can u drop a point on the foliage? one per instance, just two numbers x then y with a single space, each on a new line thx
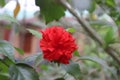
50 10
111 8
7 49
22 71
2 2
35 33
7 17
74 70
19 50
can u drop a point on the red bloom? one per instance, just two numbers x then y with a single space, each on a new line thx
57 44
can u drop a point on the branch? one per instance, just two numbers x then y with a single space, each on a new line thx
91 32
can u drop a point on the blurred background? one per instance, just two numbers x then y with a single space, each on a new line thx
13 28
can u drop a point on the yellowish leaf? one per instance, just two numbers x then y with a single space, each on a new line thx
17 9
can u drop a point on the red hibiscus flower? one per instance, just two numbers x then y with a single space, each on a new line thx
57 44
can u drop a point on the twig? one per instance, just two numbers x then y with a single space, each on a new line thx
83 23
91 32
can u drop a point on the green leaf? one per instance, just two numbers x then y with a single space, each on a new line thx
95 59
3 70
7 17
2 2
8 62
115 15
110 36
76 53
60 79
71 30
92 7
38 59
35 33
4 76
43 67
73 69
22 71
31 58
117 22
99 1
50 10
7 49
3 67
110 3
20 51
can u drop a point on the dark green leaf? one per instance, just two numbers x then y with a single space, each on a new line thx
60 79
20 51
110 3
8 62
8 18
71 30
117 22
73 69
31 59
4 76
50 10
7 49
115 15
35 33
93 7
22 71
2 2
3 71
3 67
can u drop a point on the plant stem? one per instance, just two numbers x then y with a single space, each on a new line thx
91 32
